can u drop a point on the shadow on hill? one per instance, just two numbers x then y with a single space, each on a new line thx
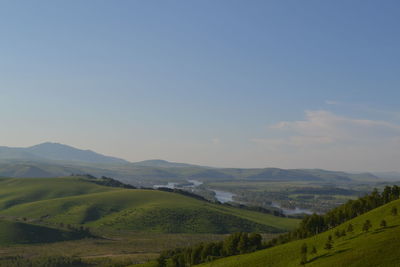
355 236
327 255
380 230
25 233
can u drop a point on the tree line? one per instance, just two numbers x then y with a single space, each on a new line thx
240 243
315 224
45 261
338 234
235 244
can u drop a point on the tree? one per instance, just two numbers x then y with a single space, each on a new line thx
243 245
196 254
314 250
207 251
337 233
383 223
350 228
367 225
303 251
231 244
394 211
329 243
386 194
255 241
162 261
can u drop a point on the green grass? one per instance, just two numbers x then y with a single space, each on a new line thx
24 233
119 247
377 247
77 201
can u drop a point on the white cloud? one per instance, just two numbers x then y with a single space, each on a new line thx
323 127
326 140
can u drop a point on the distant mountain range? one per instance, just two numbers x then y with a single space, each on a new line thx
50 152
55 152
159 163
54 159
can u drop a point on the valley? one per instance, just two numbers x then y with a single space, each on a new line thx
107 225
149 207
199 133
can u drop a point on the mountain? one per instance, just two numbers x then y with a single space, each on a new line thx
274 174
392 176
159 163
56 152
54 159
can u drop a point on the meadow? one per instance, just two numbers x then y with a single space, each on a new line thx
376 247
78 217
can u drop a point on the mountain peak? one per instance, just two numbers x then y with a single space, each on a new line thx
51 145
58 152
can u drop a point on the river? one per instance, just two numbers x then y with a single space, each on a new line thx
221 196
294 211
224 196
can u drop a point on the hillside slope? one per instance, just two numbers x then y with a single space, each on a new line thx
377 247
25 233
79 201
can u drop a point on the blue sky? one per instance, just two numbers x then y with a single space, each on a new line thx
290 84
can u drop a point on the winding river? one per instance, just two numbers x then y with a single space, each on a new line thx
221 196
224 197
294 211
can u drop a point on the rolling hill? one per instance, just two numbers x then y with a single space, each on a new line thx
80 201
377 247
26 233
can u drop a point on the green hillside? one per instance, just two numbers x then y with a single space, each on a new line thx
24 233
377 247
79 201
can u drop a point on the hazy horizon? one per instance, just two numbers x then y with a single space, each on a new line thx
215 83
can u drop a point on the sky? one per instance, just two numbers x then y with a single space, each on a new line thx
289 84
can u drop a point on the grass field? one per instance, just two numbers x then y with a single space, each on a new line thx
377 247
77 201
38 218
23 233
123 247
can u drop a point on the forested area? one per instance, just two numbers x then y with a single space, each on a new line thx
235 244
51 261
240 243
314 224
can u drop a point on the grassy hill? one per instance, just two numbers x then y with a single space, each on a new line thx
25 233
377 247
79 201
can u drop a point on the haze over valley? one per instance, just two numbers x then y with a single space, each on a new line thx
205 133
